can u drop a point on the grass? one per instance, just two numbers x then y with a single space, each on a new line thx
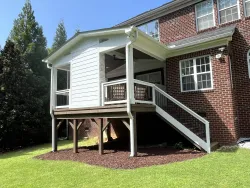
219 169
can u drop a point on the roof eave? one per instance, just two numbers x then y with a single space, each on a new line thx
158 12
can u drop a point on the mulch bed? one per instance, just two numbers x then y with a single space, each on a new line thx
119 159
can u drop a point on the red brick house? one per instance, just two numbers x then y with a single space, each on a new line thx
205 45
227 105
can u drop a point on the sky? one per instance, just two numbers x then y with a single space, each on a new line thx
76 14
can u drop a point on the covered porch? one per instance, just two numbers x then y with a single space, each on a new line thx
108 76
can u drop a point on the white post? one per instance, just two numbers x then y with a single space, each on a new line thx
52 106
153 95
130 74
208 137
133 136
103 94
131 98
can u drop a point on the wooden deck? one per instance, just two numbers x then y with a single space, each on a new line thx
110 111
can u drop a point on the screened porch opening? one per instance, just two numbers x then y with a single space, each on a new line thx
63 86
147 71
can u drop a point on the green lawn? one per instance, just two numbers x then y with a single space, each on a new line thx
219 169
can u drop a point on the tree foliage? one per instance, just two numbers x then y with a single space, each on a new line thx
20 111
27 113
59 40
60 37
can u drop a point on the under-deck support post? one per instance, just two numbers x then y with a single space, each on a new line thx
133 136
75 137
54 135
101 137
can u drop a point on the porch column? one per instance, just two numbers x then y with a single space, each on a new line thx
52 106
130 73
130 97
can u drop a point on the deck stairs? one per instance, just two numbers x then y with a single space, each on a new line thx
191 125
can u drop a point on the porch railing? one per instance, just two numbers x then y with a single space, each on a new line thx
62 98
114 92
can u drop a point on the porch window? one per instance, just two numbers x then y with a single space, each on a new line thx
248 62
153 77
151 28
247 7
196 74
228 10
205 15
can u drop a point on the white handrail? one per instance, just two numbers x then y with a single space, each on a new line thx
181 105
63 92
143 83
114 82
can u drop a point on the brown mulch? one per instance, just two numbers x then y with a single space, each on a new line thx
119 159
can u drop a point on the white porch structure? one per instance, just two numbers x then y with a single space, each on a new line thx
83 57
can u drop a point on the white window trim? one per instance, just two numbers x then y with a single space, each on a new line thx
195 74
244 6
218 7
158 28
248 62
196 17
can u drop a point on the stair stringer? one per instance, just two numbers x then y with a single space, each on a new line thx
198 142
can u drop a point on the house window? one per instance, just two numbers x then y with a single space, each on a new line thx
153 77
228 10
151 28
248 62
196 74
205 15
247 7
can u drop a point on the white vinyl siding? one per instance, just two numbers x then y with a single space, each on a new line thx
151 29
196 74
247 7
248 62
85 75
228 10
205 15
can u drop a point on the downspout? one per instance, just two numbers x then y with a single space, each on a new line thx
54 137
132 38
51 87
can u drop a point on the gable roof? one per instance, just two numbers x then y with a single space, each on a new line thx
155 13
80 35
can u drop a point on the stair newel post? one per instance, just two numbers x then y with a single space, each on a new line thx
208 137
153 94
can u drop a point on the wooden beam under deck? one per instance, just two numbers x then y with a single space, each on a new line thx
110 111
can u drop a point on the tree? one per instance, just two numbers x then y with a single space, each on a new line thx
59 40
60 37
28 38
18 112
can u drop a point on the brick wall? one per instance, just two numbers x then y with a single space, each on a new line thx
216 103
228 109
